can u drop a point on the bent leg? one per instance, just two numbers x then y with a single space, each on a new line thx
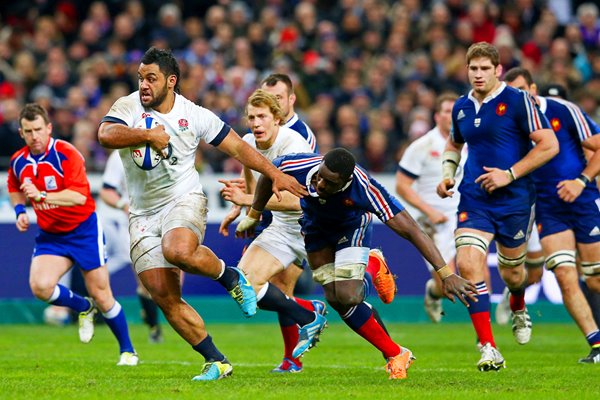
44 274
97 283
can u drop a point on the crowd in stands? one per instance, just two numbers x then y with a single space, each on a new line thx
367 72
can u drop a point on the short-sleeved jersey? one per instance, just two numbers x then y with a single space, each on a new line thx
60 167
497 132
286 142
345 208
187 124
572 127
296 124
113 178
422 161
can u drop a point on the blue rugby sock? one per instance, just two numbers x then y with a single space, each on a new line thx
115 319
273 299
64 297
209 351
367 284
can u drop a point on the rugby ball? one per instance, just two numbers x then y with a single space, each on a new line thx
145 156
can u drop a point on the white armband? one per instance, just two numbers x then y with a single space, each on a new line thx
450 161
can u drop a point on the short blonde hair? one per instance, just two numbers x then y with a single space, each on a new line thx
262 98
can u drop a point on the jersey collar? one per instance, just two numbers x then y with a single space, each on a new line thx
489 98
27 154
292 120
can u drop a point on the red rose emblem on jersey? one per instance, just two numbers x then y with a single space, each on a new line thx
555 123
183 123
145 115
348 202
434 154
501 109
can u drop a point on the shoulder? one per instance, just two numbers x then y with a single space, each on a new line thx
66 149
249 138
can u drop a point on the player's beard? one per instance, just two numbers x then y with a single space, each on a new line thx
157 99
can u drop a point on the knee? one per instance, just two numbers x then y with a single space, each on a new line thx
350 296
176 254
42 288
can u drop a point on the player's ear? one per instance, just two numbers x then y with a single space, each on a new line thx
499 70
172 81
533 89
292 99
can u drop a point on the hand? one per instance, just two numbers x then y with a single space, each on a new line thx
246 227
22 222
283 182
159 139
454 285
569 190
443 188
231 216
233 193
29 189
238 182
493 179
436 217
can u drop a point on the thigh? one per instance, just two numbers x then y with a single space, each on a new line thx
564 240
46 270
259 265
189 212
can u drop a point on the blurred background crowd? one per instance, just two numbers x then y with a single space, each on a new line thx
367 72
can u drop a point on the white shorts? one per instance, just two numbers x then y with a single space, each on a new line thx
285 243
146 231
533 244
444 239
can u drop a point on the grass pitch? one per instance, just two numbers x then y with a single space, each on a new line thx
43 362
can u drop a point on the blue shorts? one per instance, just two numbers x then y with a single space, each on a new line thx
356 235
510 230
581 218
84 245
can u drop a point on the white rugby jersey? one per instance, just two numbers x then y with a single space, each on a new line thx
422 161
114 177
287 142
187 124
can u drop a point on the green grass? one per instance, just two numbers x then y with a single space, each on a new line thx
43 362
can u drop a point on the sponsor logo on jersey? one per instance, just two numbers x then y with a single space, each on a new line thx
344 239
501 109
463 216
519 235
555 123
461 115
477 122
50 182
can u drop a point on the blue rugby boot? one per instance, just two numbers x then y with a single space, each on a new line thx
244 294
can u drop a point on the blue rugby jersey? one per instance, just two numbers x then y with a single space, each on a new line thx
497 133
346 208
572 127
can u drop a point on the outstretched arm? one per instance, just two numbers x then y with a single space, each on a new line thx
243 152
404 225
